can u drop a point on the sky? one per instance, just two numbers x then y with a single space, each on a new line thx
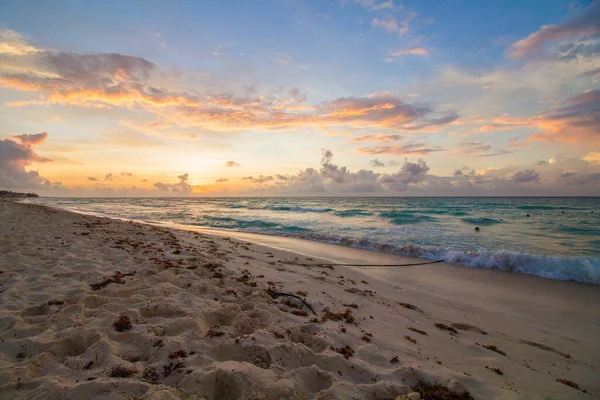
300 98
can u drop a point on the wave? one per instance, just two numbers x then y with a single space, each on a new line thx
544 207
254 225
351 213
412 219
280 208
482 221
578 269
406 217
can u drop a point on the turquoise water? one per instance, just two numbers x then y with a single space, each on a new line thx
555 238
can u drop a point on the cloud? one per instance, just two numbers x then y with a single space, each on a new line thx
390 24
378 138
382 110
122 81
585 25
231 164
284 59
181 187
525 176
32 140
92 179
457 172
126 174
374 5
221 180
332 178
415 149
592 158
410 173
572 178
376 163
17 153
576 120
108 177
259 179
482 150
394 55
13 44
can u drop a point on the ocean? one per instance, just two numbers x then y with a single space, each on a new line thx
554 238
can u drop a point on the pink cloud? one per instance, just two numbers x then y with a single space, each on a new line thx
585 25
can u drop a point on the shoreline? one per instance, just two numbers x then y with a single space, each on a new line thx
188 282
521 269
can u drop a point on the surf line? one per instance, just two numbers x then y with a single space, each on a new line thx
371 265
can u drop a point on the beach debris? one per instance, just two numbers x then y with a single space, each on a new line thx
410 306
467 327
214 332
439 392
275 293
88 365
546 348
302 293
121 372
178 354
445 327
123 323
416 330
246 279
116 278
346 351
300 313
410 339
351 305
496 370
277 334
493 348
568 383
360 292
150 375
477 229
394 360
172 367
159 343
56 302
367 337
345 316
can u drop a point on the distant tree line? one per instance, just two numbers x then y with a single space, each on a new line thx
5 194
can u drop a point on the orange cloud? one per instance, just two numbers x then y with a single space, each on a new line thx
115 80
407 51
377 137
576 120
413 149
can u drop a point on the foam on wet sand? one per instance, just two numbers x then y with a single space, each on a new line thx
99 308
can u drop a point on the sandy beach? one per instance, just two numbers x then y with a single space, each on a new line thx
98 308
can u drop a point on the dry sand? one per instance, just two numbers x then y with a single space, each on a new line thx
203 324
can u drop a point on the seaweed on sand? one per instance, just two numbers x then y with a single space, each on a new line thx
346 351
439 392
345 316
445 327
121 372
123 323
116 278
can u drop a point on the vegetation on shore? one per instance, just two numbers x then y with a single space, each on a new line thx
7 194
